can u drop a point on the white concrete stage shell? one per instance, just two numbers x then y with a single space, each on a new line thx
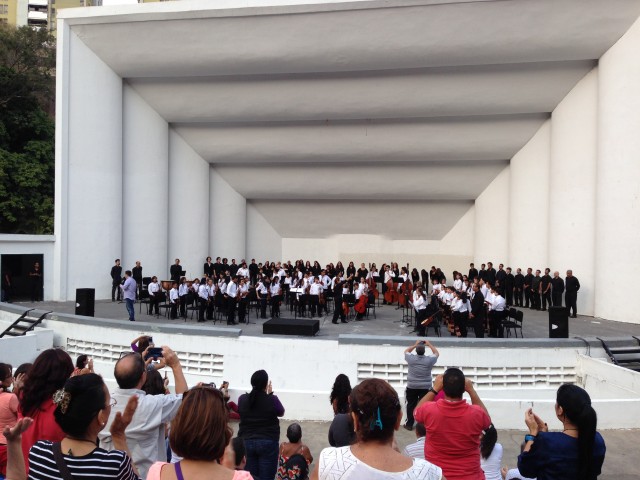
434 132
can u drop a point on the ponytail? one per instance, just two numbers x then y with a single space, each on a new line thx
576 404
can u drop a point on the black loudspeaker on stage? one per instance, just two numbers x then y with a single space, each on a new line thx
291 326
558 322
85 301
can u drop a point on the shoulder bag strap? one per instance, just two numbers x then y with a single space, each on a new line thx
62 465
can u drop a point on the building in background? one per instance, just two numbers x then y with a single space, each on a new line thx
43 13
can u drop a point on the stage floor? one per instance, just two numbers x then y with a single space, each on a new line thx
387 322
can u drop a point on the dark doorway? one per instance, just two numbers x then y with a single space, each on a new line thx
23 286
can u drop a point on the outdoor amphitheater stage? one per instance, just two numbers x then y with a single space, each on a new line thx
385 323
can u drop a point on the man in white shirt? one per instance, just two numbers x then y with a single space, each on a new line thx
496 314
232 293
145 433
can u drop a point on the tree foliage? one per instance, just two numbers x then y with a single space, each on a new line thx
27 160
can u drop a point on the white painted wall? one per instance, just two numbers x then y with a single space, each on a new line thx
492 222
529 202
89 203
228 219
572 187
145 180
37 245
263 242
188 206
618 171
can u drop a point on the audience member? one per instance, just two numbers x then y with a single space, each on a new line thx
490 454
288 467
418 375
416 449
48 374
199 435
146 432
8 411
340 392
232 407
235 455
84 365
141 343
19 377
82 408
576 453
260 426
341 431
377 414
453 426
514 473
155 384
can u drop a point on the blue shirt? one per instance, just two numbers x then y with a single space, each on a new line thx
554 456
129 289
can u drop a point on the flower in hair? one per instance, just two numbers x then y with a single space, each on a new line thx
62 398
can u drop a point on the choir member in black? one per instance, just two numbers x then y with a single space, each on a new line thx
209 269
557 289
490 274
478 311
217 267
136 273
337 300
176 271
233 268
500 276
528 280
253 271
362 271
224 268
116 279
545 289
518 288
473 272
482 274
571 287
536 291
351 270
509 284
415 276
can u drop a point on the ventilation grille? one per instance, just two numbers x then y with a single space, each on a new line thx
207 364
483 377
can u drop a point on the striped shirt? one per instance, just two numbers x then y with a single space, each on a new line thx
98 465
415 450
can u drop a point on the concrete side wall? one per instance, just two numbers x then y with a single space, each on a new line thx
618 171
492 222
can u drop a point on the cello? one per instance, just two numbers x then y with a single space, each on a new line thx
361 305
406 289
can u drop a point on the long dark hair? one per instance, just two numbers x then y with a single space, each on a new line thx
488 441
576 405
259 381
5 372
340 392
48 373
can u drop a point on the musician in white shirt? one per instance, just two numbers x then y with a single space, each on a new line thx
183 291
315 289
231 294
173 300
243 292
460 310
389 275
457 283
262 291
276 296
243 271
419 304
496 314
211 292
154 296
203 299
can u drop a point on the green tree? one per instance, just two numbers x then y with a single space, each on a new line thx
27 130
